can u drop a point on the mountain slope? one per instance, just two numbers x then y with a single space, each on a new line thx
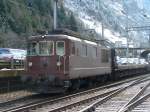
116 15
22 18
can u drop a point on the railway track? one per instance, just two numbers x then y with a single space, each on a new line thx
140 105
18 101
6 97
78 100
122 100
25 101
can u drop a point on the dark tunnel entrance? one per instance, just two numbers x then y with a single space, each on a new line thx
144 54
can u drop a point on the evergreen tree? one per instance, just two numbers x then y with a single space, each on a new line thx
1 41
61 17
26 17
73 23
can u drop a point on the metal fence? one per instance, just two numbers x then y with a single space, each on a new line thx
12 64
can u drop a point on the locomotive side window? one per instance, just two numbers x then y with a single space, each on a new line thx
32 48
46 48
60 48
73 48
94 52
84 50
105 56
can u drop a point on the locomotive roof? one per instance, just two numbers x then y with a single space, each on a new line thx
69 34
61 36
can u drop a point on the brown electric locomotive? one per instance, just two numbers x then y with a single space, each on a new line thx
57 62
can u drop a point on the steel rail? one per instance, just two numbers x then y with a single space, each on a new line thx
111 94
34 106
138 95
92 107
39 104
17 100
136 103
82 101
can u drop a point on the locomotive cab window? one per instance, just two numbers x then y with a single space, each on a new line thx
60 48
32 48
46 48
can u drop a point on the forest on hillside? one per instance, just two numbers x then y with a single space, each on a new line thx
22 18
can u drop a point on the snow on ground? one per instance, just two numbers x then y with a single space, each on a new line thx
91 23
122 61
10 53
112 11
18 54
108 34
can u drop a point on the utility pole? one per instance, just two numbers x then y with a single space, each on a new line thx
102 30
127 32
102 23
127 37
55 14
149 40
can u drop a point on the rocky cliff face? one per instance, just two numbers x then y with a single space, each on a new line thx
116 15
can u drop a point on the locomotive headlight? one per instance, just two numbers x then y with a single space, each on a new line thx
58 63
30 64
